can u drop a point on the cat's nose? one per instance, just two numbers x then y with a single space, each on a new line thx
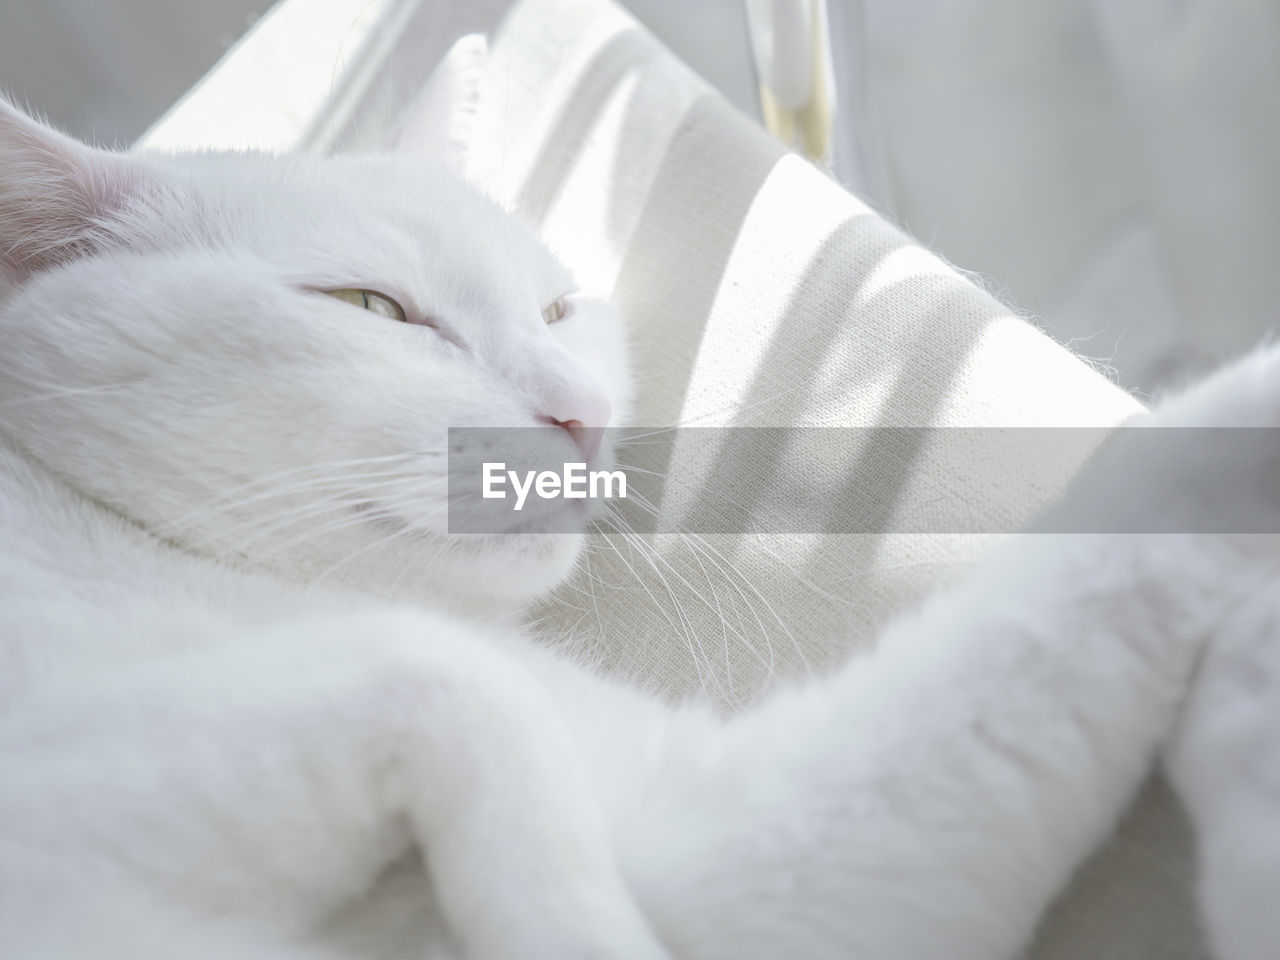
585 415
587 438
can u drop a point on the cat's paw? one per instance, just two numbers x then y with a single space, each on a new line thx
1225 762
1205 461
1242 394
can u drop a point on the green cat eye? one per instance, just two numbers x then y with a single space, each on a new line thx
370 300
555 310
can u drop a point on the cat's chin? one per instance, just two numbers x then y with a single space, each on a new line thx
515 566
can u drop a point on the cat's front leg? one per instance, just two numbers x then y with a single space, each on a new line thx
1224 758
263 784
933 798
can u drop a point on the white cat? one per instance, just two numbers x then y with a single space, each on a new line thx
246 677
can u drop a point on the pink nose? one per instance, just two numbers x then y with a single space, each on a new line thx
587 438
583 410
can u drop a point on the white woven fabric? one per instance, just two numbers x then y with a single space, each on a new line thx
756 292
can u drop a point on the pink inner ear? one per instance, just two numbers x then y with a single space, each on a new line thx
57 195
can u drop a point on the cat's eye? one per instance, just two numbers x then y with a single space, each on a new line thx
555 311
370 300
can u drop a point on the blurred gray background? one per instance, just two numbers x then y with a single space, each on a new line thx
105 69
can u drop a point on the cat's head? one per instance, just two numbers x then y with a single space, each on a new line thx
172 349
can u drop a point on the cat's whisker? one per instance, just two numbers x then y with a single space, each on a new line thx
344 505
746 513
631 468
317 498
267 524
328 472
591 595
423 514
416 562
680 530
716 557
699 544
679 629
720 617
353 513
337 520
326 490
644 503
822 591
732 408
661 566
686 628
373 545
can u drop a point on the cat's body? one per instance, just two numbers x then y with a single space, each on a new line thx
169 619
244 675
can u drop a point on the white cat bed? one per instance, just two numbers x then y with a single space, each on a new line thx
757 292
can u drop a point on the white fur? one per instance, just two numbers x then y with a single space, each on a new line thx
247 680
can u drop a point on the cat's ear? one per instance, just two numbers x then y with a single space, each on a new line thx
439 123
57 195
